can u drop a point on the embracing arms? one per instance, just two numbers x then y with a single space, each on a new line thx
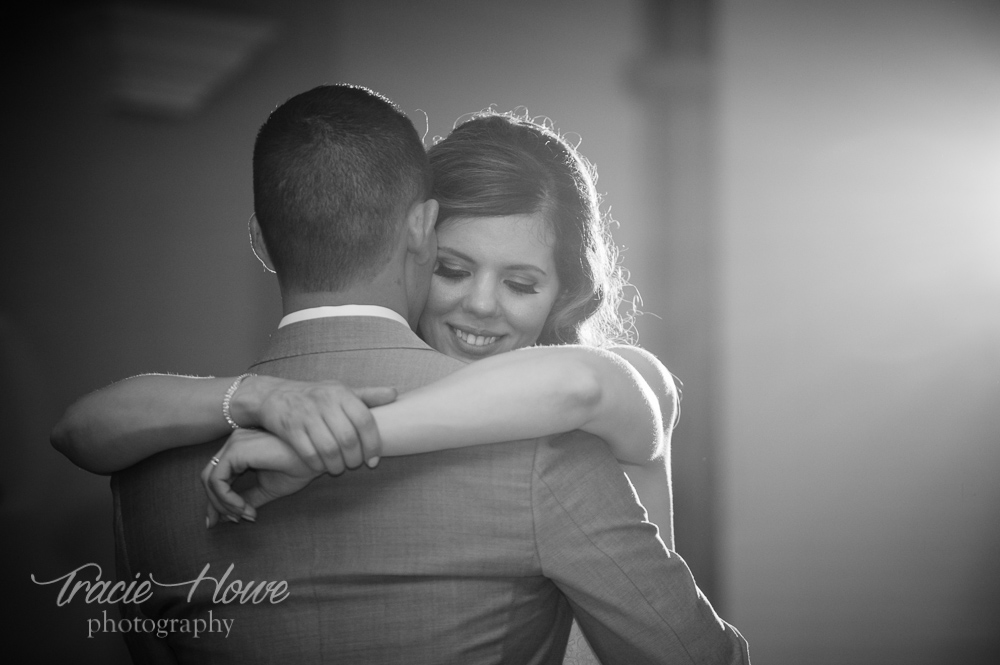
128 421
624 395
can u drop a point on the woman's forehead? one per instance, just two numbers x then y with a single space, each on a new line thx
529 228
510 240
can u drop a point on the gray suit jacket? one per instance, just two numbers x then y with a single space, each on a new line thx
477 555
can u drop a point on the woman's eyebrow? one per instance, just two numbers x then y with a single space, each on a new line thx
456 253
517 266
527 266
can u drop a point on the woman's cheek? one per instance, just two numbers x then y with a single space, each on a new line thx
527 320
438 295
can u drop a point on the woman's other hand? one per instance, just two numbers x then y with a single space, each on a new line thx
326 423
280 472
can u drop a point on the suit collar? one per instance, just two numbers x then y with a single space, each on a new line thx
342 333
341 310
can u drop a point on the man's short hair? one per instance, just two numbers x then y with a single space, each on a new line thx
335 170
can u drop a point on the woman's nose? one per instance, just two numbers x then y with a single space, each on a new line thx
482 299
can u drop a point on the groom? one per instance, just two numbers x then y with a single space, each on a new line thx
474 555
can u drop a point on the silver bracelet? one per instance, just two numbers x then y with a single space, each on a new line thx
228 399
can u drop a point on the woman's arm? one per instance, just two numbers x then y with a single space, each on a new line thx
128 421
660 381
535 392
521 394
115 427
527 393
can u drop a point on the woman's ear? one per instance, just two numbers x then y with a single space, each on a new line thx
257 244
421 241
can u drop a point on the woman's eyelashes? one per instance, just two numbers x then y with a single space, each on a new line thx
441 270
519 287
455 274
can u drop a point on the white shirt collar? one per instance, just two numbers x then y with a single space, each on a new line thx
342 310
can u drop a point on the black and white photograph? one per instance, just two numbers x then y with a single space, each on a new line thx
565 332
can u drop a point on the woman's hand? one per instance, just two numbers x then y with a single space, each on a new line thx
327 424
311 428
280 472
128 421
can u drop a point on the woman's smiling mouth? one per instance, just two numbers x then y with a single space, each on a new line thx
474 340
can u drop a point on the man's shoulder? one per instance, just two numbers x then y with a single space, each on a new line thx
362 351
401 368
577 461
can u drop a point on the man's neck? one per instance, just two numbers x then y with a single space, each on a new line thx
387 288
362 294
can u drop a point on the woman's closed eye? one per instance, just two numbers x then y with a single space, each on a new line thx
454 274
521 287
441 270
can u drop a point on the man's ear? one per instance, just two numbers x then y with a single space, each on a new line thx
420 238
257 244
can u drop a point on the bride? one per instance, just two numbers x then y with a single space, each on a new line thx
526 289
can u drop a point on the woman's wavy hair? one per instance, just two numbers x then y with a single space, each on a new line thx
498 164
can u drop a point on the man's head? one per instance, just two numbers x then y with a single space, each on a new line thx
336 171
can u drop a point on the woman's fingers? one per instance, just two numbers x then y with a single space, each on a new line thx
364 423
327 445
290 413
328 425
217 477
220 489
300 438
342 428
280 472
255 498
214 509
217 508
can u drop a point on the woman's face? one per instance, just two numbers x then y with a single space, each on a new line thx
493 286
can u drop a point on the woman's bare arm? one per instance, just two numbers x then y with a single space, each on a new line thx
116 426
528 393
624 395
128 421
534 392
525 394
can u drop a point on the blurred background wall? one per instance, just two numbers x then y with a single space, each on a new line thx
808 198
860 194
